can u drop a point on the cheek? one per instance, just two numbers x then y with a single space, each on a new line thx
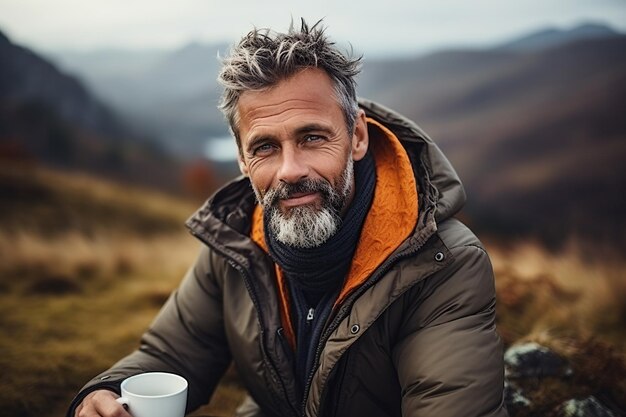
261 176
332 165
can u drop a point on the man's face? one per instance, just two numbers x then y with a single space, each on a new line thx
297 151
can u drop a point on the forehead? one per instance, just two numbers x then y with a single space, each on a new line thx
309 94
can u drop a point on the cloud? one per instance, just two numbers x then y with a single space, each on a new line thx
369 25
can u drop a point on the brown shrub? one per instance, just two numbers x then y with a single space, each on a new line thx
87 269
597 369
124 265
155 297
53 285
538 291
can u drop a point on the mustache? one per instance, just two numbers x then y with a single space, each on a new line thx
307 185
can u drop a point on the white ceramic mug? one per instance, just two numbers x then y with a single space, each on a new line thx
155 394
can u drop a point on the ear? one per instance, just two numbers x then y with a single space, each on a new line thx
360 137
242 164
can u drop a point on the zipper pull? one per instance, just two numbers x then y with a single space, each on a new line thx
309 316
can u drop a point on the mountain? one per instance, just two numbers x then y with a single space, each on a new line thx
24 76
537 136
105 62
552 37
170 94
50 118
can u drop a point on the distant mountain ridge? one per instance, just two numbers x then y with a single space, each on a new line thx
537 136
50 118
24 76
170 94
549 38
174 94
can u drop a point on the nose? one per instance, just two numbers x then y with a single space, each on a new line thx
293 167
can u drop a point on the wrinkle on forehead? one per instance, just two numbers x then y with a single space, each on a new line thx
273 109
311 84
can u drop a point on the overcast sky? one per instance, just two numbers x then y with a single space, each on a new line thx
373 27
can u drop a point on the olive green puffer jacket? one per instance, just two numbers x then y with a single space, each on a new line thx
417 339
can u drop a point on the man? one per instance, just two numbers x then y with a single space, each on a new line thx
332 273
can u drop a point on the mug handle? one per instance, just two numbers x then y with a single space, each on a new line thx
123 401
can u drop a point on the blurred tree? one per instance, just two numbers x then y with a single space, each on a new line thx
199 179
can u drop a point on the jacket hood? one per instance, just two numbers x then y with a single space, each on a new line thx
440 186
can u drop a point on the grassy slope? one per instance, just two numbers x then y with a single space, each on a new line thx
85 266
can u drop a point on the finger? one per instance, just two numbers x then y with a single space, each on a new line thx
78 409
85 408
87 411
106 406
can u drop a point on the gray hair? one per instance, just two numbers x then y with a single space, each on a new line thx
263 58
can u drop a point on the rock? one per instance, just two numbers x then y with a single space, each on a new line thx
514 399
537 381
529 360
587 407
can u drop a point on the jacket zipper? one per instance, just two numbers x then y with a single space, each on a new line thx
257 305
341 314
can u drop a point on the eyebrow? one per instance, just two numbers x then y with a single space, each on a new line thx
313 127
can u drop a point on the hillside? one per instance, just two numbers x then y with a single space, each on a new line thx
170 94
26 77
553 37
85 265
537 137
50 118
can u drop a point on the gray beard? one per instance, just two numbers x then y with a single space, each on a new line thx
307 226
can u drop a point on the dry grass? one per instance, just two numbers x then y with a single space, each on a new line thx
76 297
73 312
84 267
75 263
561 294
48 203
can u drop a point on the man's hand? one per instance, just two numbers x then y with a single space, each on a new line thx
101 403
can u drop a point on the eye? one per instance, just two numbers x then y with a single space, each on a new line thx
263 149
313 138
